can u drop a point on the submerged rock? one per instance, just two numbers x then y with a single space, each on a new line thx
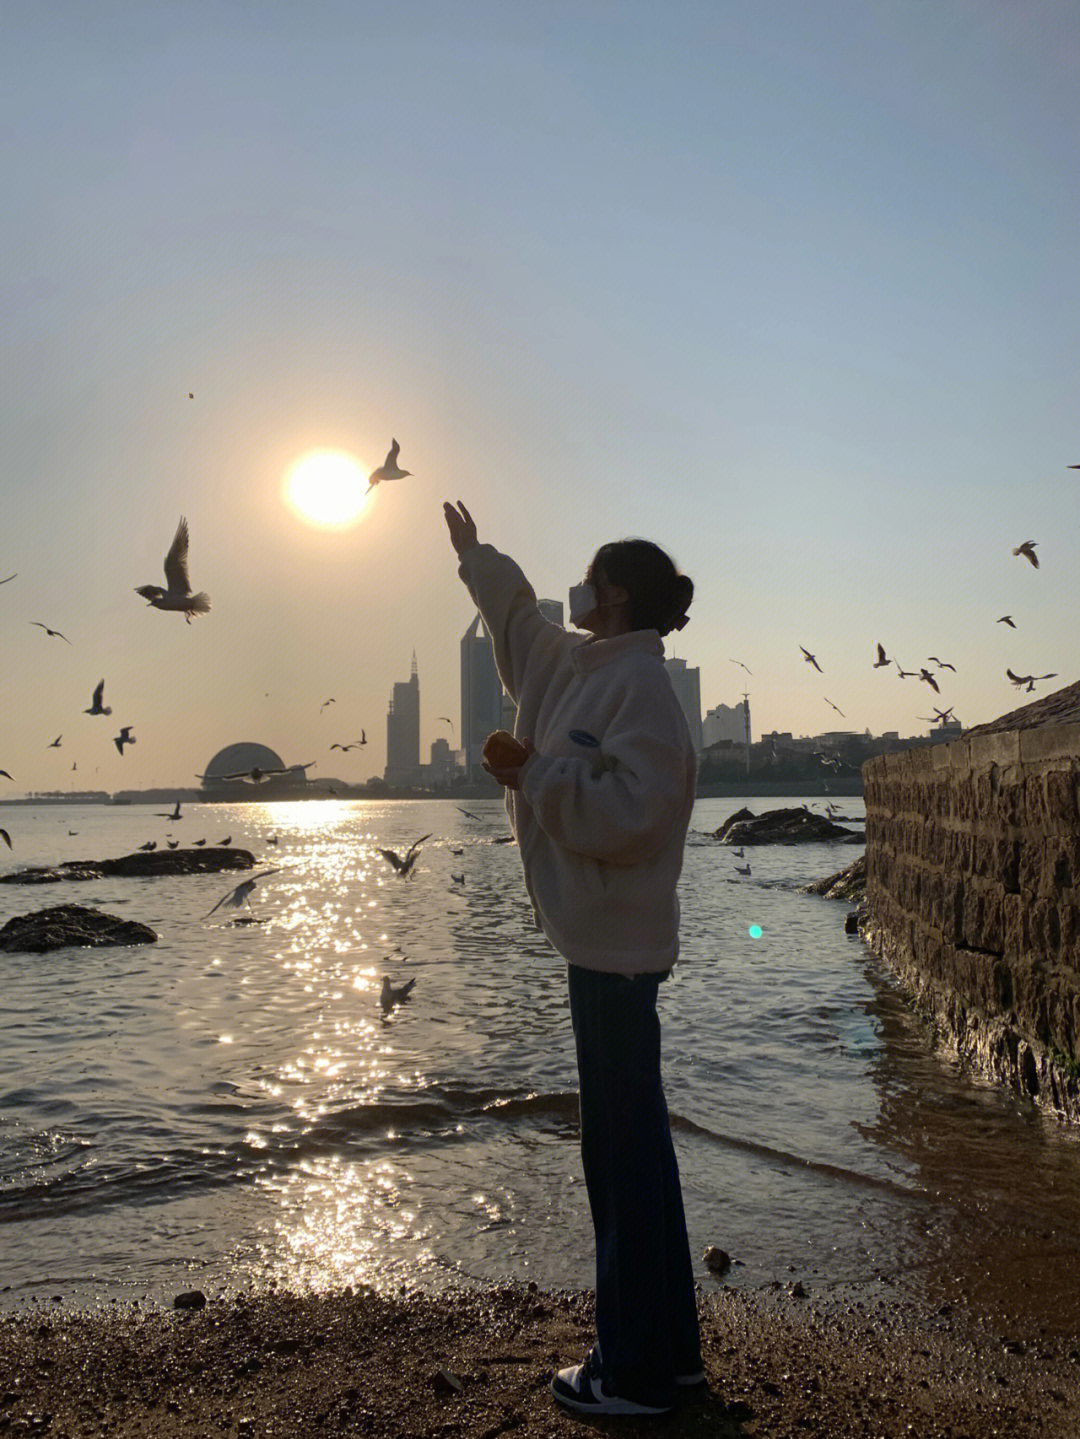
778 826
847 883
147 865
67 926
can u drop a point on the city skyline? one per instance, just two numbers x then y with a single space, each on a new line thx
787 289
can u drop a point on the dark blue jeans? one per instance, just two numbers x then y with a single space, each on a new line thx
646 1312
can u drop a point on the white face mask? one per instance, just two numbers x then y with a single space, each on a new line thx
582 602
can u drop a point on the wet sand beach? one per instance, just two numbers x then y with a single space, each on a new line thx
344 1363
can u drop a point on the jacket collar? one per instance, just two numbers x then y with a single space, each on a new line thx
592 653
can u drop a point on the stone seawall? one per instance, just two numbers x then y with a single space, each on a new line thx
973 897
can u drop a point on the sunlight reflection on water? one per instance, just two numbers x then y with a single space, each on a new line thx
234 1101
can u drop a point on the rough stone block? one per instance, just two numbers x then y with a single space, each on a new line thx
1002 748
1008 803
982 923
1036 811
1063 796
1049 742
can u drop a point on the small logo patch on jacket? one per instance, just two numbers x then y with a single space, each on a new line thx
582 736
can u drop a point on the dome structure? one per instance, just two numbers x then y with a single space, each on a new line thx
235 758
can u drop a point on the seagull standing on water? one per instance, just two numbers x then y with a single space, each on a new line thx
388 470
394 994
96 707
178 595
1027 549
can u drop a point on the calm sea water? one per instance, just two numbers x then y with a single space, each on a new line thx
230 1105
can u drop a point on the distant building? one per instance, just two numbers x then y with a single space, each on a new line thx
724 722
443 765
687 686
241 759
403 731
481 696
551 610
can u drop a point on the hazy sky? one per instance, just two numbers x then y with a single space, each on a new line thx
790 288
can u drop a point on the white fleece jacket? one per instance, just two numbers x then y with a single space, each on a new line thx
604 805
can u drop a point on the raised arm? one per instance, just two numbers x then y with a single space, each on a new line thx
506 601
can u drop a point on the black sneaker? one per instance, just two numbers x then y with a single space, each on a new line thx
581 1388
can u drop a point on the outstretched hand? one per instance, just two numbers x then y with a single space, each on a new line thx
462 527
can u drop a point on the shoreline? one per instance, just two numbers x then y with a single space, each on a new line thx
284 1364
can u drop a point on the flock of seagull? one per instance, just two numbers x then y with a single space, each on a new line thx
1026 682
177 596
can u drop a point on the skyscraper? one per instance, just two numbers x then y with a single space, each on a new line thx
551 610
481 695
403 731
687 686
724 722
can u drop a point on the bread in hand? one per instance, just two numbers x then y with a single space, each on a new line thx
502 750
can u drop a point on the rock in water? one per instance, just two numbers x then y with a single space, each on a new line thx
778 826
67 926
138 865
848 883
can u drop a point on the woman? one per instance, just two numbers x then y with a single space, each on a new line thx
599 796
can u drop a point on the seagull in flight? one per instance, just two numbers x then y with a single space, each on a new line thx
177 595
1027 549
96 707
839 711
175 814
924 674
4 774
1007 620
55 633
325 703
124 737
404 866
745 667
943 664
449 721
346 747
882 658
393 994
467 813
1029 680
56 742
10 577
5 837
238 896
938 717
811 660
388 470
903 673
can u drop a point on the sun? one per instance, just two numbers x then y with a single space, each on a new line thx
327 487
